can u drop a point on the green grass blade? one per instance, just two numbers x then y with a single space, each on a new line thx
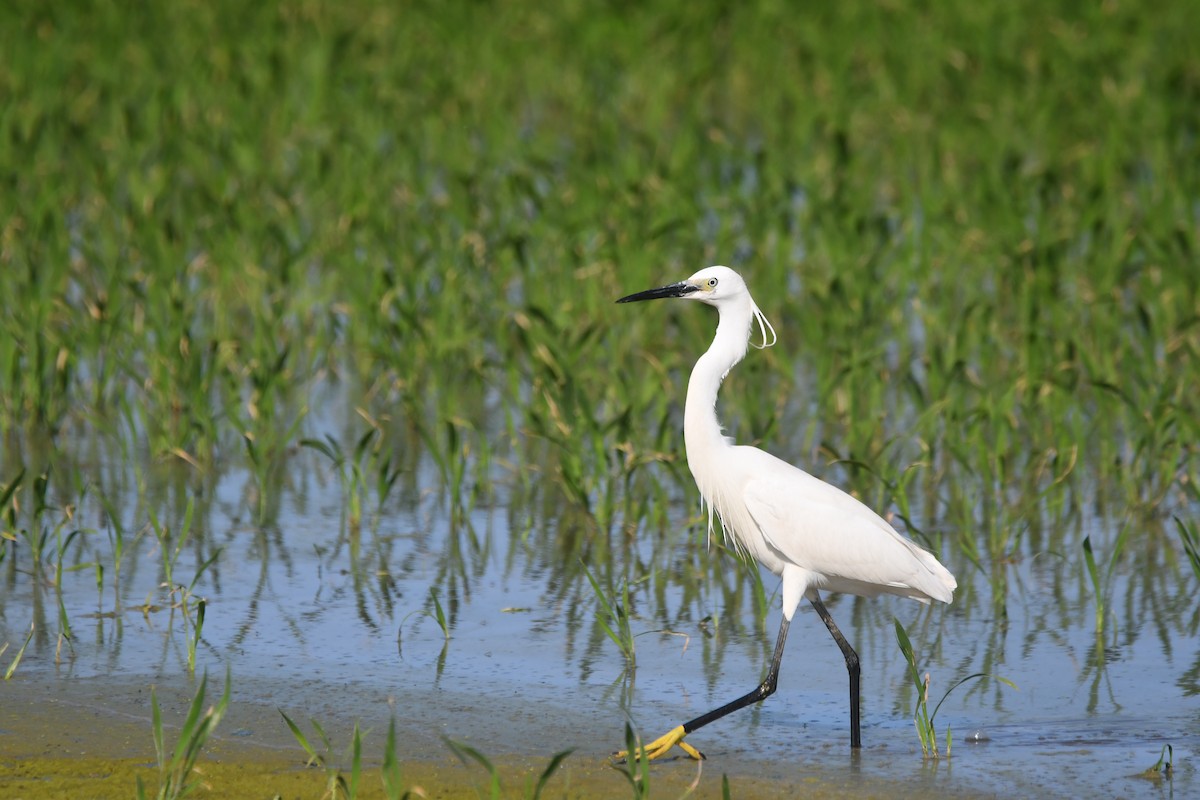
961 681
197 631
321 732
549 771
355 761
465 753
157 728
12 667
1094 573
203 567
439 615
64 622
184 753
390 773
325 449
906 649
1191 543
618 631
9 512
302 740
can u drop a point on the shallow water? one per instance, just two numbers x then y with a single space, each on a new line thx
328 623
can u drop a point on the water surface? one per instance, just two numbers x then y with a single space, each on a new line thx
330 622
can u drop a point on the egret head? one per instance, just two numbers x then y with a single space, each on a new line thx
717 286
710 285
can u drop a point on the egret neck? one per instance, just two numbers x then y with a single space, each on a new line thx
703 439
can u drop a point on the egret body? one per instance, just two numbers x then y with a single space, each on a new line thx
810 533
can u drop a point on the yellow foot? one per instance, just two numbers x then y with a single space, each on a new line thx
662 745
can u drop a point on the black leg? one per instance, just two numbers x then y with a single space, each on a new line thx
762 692
852 667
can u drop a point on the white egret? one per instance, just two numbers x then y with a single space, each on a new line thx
810 533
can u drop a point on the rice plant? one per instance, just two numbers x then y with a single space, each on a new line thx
16 660
390 772
467 754
244 227
1190 537
614 619
1102 582
177 773
341 784
923 718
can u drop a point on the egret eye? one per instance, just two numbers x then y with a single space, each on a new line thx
712 283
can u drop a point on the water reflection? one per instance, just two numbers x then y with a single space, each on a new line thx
294 589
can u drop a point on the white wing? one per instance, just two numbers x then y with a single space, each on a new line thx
842 544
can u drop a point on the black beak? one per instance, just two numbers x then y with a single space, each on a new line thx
681 289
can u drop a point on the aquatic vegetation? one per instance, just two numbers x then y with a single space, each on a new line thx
534 792
350 471
1101 583
36 534
439 615
390 772
16 659
118 544
340 785
923 718
434 611
191 300
224 345
8 513
614 620
635 771
233 234
170 550
176 767
191 606
468 754
344 783
1191 543
1164 767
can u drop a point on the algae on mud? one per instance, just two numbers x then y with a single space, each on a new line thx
55 756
